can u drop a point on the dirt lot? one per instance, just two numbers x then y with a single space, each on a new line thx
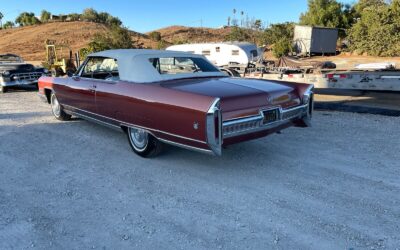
77 185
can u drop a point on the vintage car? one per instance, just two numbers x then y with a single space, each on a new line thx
177 98
15 72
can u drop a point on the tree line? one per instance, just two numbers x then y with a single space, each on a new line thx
89 15
367 26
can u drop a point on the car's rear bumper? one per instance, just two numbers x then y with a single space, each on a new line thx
220 133
254 124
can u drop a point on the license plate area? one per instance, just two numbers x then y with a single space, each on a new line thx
270 116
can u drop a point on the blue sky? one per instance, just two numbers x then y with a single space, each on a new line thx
148 15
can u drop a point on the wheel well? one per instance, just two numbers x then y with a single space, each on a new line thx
124 128
47 92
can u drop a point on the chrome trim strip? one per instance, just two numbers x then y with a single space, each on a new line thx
201 150
215 143
243 120
137 126
308 99
258 129
95 120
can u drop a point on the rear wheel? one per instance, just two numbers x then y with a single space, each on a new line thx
57 109
143 143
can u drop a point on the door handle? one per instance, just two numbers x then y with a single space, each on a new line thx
93 88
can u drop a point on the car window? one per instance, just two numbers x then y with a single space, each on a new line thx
101 68
182 65
254 53
10 59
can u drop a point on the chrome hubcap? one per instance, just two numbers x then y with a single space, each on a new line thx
55 106
139 138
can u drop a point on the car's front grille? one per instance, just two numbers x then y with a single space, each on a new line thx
31 76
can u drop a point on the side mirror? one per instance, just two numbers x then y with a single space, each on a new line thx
70 74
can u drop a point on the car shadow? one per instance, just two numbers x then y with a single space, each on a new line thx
76 136
24 88
366 102
22 115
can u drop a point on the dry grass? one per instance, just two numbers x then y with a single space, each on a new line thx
29 42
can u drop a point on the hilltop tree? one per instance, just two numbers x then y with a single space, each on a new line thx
27 18
90 15
113 21
8 25
155 36
74 16
116 38
45 16
1 19
257 24
238 34
234 20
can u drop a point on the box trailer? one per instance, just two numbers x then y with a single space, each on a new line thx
310 40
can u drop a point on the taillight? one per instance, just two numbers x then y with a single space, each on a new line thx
336 76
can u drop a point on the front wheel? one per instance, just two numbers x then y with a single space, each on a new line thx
143 143
57 109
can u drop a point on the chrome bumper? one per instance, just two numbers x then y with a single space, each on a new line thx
256 123
17 83
19 79
217 130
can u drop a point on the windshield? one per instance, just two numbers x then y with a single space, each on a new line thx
182 65
10 59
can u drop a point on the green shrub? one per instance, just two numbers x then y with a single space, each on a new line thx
282 47
155 36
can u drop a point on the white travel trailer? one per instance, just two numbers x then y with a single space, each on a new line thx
224 54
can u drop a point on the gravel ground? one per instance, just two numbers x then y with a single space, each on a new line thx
78 185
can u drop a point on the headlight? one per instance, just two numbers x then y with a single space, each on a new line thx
46 71
6 73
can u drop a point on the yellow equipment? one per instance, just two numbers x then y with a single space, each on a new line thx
56 62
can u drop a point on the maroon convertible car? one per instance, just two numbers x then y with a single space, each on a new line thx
176 98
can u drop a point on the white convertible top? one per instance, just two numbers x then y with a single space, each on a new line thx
134 64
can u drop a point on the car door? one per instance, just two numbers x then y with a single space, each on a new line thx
107 91
81 87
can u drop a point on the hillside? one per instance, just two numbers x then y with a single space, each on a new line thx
28 41
182 34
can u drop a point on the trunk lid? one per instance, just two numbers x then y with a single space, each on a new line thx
239 97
